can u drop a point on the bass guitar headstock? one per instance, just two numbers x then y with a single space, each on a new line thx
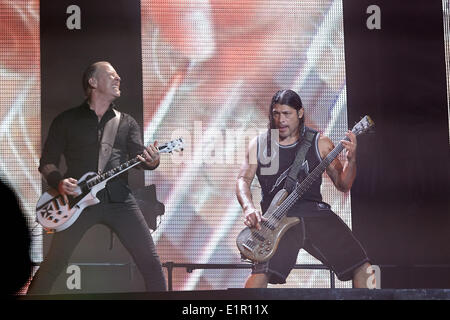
364 125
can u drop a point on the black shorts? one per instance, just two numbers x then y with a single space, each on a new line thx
326 237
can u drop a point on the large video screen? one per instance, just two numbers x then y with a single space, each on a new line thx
210 69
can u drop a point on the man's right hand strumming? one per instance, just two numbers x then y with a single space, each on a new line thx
68 186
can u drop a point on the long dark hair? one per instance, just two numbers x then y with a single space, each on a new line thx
287 97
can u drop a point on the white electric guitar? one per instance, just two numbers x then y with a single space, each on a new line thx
55 214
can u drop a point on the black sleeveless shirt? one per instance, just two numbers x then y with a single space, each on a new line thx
272 180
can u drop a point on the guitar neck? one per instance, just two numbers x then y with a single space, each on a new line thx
309 180
319 170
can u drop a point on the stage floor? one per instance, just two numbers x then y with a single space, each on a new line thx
261 294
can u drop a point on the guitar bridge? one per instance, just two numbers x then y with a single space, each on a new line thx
245 259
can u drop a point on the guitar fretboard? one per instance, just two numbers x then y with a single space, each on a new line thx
307 182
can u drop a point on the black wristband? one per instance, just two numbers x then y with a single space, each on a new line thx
53 179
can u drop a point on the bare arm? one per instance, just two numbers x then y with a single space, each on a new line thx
341 175
244 195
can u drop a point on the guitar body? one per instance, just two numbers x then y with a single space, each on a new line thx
54 214
260 245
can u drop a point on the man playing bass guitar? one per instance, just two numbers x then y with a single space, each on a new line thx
319 231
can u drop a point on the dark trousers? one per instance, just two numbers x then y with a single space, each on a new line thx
126 220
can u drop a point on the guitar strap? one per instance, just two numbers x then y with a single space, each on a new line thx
107 142
291 179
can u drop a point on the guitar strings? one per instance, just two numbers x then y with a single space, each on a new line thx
275 217
129 164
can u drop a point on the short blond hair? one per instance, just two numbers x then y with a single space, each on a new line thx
88 74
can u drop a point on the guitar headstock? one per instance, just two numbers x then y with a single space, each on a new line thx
363 125
174 145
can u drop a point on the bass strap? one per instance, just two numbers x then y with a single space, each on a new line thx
305 144
107 142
